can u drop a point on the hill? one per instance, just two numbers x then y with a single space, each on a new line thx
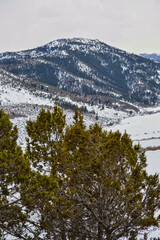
88 69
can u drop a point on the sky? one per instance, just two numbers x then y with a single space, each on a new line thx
131 25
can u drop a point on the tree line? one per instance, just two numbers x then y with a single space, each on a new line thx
73 182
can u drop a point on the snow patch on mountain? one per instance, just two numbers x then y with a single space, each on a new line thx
12 92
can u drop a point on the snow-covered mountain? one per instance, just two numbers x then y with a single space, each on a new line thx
90 70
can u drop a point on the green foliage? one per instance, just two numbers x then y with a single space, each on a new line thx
14 170
83 183
45 134
103 190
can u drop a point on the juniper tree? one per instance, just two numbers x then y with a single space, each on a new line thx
43 145
103 189
14 170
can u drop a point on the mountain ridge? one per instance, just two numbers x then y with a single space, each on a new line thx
152 56
87 67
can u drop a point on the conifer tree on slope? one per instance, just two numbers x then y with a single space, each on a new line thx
104 191
19 186
46 134
14 170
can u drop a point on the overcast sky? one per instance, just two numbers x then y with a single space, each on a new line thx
131 25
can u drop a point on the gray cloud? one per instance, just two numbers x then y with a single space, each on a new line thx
126 24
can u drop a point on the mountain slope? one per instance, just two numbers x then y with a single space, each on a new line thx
153 56
88 67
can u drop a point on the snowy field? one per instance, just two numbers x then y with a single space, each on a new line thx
143 129
153 160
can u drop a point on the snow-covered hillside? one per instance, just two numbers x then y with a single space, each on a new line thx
13 92
88 67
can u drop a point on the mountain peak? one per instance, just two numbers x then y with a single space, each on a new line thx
88 67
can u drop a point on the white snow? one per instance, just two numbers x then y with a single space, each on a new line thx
140 127
11 95
153 158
